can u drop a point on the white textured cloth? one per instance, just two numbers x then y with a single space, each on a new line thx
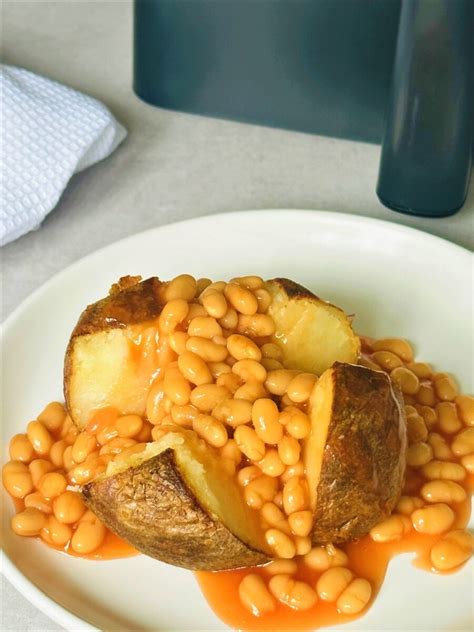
49 132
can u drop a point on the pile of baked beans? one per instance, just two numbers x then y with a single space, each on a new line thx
222 376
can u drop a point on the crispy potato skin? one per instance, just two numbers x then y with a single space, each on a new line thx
135 304
151 507
363 466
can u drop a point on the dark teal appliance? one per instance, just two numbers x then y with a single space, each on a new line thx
325 67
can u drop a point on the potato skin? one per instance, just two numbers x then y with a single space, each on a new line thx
363 466
151 507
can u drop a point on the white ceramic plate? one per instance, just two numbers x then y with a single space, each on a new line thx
396 280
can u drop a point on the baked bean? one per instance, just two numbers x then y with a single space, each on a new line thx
269 364
294 497
85 472
57 452
230 319
407 505
38 468
21 449
274 517
295 594
289 450
88 536
241 299
83 446
445 388
468 463
301 387
250 282
419 454
176 387
271 464
281 543
444 470
271 351
441 449
52 484
194 368
231 451
249 443
219 368
242 348
129 425
463 442
260 490
68 461
278 500
387 360
206 349
17 479
320 558
452 550
407 381
248 474
265 418
172 314
52 416
158 432
255 596
183 286
281 567
233 412
55 532
207 396
293 470
426 395
429 415
277 382
333 582
391 529
202 284
155 396
216 286
204 327
465 406
398 346
301 522
68 431
39 437
177 341
422 370
257 326
127 452
443 492
211 430
68 507
230 381
154 409
184 415
115 446
355 597
433 519
28 522
39 502
410 410
448 420
215 304
297 423
264 300
250 370
195 311
250 391
416 428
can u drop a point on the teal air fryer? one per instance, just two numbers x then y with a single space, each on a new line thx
325 67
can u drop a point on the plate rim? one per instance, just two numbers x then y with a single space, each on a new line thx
27 588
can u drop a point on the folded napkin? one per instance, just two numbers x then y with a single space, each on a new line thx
50 132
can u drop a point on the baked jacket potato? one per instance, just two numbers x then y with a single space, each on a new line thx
110 357
175 501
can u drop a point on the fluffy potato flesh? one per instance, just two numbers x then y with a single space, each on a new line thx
176 502
312 333
355 454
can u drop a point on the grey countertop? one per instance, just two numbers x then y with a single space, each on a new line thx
172 166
